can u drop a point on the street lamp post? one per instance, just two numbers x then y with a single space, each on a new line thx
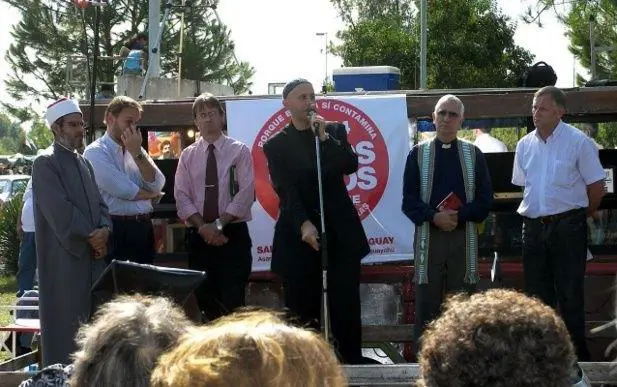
325 35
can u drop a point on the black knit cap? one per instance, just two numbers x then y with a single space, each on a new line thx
292 85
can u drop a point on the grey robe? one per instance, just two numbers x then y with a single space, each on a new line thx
67 208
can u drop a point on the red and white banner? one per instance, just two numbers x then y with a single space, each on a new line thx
377 129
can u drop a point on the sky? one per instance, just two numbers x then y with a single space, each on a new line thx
279 39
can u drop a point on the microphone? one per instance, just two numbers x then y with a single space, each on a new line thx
314 125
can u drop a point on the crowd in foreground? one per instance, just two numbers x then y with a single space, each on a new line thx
496 338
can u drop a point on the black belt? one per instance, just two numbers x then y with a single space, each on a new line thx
557 217
138 217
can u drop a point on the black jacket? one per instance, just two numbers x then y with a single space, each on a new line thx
293 170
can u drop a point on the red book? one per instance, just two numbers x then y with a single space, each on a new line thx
451 202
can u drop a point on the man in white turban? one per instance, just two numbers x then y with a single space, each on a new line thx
72 231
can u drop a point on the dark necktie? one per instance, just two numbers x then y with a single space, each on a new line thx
211 201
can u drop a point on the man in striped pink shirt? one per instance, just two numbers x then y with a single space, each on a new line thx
214 191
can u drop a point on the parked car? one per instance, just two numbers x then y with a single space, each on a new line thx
10 185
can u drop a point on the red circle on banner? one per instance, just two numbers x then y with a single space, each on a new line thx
366 186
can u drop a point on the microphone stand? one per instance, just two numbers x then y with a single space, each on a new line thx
325 315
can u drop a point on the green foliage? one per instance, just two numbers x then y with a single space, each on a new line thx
327 86
10 135
9 241
607 135
41 135
50 32
576 16
509 136
470 43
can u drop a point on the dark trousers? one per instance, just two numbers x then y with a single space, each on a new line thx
554 261
227 268
26 263
302 283
446 272
132 240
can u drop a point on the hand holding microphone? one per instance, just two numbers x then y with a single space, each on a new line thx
318 125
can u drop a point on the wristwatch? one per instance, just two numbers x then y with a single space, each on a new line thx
218 224
140 156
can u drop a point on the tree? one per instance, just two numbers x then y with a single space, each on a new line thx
207 53
50 32
41 134
577 17
470 42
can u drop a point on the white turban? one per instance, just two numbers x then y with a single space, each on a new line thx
61 108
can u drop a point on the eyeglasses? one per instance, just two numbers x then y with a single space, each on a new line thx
75 124
451 114
210 114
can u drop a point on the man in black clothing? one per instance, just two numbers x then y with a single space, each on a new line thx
296 255
446 237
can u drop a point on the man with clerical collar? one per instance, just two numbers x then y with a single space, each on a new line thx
446 192
128 179
72 230
292 162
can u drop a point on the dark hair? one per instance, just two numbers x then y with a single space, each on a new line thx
556 94
209 100
498 338
130 42
163 143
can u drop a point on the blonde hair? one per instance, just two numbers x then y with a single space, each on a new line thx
122 102
249 349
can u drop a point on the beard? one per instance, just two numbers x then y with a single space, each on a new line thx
70 142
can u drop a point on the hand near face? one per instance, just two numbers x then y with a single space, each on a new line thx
131 138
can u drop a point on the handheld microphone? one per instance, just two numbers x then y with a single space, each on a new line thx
314 125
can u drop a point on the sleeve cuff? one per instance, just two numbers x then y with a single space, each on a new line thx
235 210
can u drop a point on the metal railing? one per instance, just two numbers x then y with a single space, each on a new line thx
77 73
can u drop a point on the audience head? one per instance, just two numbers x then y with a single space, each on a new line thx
249 349
497 338
124 341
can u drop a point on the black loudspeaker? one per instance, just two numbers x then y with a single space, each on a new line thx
539 75
123 277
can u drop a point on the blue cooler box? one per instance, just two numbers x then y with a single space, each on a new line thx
369 78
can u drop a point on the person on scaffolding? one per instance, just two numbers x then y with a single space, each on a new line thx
134 53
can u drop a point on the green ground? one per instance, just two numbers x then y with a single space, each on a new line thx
8 288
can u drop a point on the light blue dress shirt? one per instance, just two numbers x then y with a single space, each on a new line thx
119 179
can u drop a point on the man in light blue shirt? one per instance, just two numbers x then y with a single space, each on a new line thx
128 180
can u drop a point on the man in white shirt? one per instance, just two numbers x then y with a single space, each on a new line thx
128 180
563 179
26 264
488 143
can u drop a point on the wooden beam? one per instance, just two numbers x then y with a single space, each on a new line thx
403 333
19 362
479 103
407 374
12 379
